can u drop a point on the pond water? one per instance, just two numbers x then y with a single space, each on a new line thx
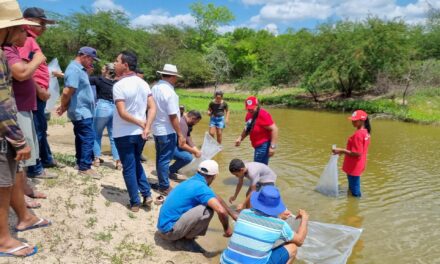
400 207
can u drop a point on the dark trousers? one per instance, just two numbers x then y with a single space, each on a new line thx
84 139
130 151
165 146
40 123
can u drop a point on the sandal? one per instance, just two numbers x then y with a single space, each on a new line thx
39 224
30 203
147 201
134 208
165 192
10 253
159 200
97 162
37 195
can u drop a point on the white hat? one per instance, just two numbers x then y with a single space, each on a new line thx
169 69
208 167
11 16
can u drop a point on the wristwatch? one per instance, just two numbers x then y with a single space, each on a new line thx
273 146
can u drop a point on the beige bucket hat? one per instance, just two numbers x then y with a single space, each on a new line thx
10 15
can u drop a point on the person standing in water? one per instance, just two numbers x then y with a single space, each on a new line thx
219 113
355 158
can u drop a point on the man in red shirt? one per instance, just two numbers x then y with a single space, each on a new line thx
261 129
41 79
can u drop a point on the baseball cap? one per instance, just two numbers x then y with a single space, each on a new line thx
251 102
35 12
89 52
358 115
208 167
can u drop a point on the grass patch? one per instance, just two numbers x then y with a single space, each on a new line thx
57 120
103 236
91 222
90 191
68 159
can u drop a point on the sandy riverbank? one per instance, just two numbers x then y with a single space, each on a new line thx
91 221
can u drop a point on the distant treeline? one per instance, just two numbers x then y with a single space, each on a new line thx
346 57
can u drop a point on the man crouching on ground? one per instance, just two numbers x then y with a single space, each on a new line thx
189 207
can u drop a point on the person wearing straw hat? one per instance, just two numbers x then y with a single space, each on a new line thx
189 208
13 147
260 229
166 128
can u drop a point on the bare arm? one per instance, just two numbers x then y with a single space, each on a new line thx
65 99
222 213
120 107
42 93
273 138
240 138
237 189
175 123
227 115
346 152
301 234
22 71
151 106
232 213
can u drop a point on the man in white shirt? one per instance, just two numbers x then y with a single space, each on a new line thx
166 124
131 127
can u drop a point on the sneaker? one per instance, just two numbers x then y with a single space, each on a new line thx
54 164
92 173
143 158
44 175
177 177
134 208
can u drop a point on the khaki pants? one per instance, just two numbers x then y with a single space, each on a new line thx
191 224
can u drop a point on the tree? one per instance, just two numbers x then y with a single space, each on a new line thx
219 65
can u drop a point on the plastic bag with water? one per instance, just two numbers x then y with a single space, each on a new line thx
54 86
326 243
328 182
210 148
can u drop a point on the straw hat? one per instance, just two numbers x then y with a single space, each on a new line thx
10 15
169 69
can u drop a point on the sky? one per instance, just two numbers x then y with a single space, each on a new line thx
275 16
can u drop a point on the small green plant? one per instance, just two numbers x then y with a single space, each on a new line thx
91 222
91 190
116 259
67 159
131 215
103 236
108 203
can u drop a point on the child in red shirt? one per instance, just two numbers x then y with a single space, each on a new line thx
356 152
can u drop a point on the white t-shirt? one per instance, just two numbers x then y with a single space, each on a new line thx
134 91
260 173
167 103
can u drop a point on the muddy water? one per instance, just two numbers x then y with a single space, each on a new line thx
400 209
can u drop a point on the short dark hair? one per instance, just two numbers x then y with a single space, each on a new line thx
130 58
218 93
194 113
236 165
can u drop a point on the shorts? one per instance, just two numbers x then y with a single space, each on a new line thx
262 184
279 255
217 121
25 121
8 166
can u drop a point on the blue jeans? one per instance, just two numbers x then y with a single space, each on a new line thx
104 119
217 121
165 146
182 158
130 150
84 137
261 153
354 185
40 124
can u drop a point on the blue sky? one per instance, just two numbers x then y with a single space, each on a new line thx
273 15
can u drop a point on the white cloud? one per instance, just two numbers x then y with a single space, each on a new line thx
272 28
107 5
162 17
289 11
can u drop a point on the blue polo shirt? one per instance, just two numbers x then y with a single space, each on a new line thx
82 103
187 195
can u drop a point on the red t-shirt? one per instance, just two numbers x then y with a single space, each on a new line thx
358 143
25 91
259 134
41 75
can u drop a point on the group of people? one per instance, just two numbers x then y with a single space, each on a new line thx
131 111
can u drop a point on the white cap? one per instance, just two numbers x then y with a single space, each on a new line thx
208 167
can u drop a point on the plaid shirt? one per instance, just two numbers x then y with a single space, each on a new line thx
9 129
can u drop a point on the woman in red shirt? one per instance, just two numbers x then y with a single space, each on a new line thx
261 129
356 152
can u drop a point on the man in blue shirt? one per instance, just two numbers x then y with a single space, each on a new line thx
189 207
77 99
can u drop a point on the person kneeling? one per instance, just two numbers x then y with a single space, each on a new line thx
190 206
260 229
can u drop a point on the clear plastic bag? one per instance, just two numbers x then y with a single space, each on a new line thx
328 182
54 86
326 243
210 148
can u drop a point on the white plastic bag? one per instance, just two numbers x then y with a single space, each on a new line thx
328 182
54 86
210 148
326 243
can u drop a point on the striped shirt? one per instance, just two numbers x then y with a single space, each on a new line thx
253 238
